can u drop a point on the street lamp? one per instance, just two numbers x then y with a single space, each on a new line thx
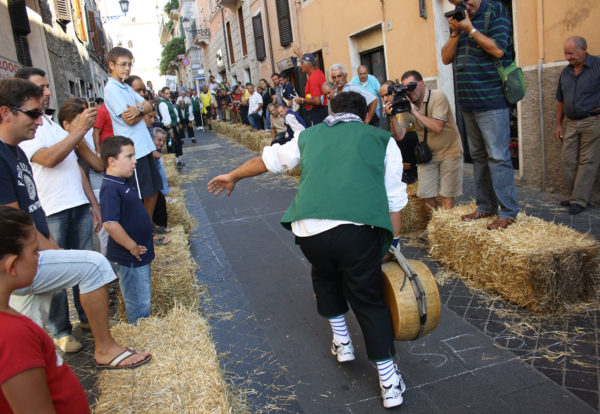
124 6
186 23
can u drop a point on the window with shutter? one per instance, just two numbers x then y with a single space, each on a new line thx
242 32
230 43
259 37
285 22
22 49
18 17
63 11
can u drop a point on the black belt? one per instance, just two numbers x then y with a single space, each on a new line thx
578 118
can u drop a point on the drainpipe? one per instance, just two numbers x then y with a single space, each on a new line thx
542 54
269 34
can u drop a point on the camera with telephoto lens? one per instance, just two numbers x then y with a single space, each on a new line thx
401 103
459 11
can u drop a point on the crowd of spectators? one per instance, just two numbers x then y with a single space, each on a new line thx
99 171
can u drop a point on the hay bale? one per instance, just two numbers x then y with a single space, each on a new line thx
177 211
265 141
183 376
414 215
173 177
543 266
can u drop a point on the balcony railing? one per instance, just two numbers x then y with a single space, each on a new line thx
201 37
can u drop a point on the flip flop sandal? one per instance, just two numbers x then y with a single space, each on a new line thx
162 241
161 230
114 363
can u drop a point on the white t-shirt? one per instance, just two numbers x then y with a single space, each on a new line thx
253 102
59 188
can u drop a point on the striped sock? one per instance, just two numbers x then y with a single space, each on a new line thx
387 373
340 330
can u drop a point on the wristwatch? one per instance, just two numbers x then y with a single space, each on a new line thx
141 109
472 32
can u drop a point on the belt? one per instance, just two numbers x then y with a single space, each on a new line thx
578 118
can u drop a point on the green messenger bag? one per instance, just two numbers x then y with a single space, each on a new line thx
513 82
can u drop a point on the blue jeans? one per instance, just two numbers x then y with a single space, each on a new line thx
488 133
267 120
72 229
254 120
136 287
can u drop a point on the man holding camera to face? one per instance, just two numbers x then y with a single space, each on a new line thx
480 35
431 116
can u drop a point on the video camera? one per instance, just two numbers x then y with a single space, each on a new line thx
401 103
459 11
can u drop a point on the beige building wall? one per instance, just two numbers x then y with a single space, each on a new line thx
342 31
275 51
542 26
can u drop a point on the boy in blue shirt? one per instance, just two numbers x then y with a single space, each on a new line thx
127 109
130 248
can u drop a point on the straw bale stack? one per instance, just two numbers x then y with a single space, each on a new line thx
183 376
545 267
173 177
414 215
178 213
217 124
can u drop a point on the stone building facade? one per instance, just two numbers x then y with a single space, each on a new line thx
60 41
229 53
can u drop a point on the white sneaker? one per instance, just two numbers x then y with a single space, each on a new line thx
344 352
392 395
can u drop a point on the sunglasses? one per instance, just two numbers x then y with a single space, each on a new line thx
33 114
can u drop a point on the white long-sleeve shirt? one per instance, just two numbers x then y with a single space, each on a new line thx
296 126
165 116
280 158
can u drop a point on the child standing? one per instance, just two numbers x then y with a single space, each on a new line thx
33 377
130 247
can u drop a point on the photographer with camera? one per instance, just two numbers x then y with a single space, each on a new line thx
431 116
480 36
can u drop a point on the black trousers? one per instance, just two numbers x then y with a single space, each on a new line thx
316 116
346 269
178 141
196 118
160 217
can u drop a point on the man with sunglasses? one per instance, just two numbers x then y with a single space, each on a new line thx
66 195
20 117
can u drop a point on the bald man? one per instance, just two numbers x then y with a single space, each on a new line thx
370 83
578 97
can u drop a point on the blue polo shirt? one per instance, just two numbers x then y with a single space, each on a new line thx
478 85
120 202
117 95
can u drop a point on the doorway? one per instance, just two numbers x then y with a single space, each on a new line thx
374 60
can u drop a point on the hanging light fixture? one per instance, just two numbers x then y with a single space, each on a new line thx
124 6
